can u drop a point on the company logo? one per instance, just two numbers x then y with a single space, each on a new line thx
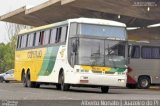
34 54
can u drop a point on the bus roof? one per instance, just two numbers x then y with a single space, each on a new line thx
78 20
97 21
147 43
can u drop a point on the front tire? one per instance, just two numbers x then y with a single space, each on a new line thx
104 89
144 82
64 86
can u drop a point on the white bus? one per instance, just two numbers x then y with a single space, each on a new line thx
76 52
144 64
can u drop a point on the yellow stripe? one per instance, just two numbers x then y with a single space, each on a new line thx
95 68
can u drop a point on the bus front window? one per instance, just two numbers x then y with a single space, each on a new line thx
102 31
91 45
96 52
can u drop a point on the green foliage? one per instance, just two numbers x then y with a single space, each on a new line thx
7 55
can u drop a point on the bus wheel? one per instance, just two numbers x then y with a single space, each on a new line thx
104 89
64 87
24 80
144 82
29 82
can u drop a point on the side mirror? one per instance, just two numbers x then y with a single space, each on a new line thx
75 44
129 53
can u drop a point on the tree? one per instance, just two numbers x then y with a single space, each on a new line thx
7 51
2 65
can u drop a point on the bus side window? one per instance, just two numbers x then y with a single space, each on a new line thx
156 53
58 34
37 36
19 42
46 37
41 38
30 40
135 53
152 52
27 40
64 34
24 39
34 39
146 52
53 36
73 30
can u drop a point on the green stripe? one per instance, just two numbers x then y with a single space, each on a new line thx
49 61
117 70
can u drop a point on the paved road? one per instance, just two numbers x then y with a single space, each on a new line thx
15 91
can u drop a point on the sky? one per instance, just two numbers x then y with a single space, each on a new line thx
10 5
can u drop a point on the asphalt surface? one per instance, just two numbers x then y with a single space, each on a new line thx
16 91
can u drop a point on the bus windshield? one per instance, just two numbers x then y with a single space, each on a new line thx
98 52
102 31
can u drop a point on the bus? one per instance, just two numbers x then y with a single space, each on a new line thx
144 64
77 52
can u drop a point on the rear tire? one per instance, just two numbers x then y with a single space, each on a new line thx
104 89
64 86
24 80
29 82
144 82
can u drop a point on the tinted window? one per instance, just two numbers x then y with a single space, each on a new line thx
46 37
156 53
34 39
19 42
151 52
53 36
24 41
63 34
27 40
30 40
41 38
135 53
37 38
73 29
58 34
102 30
146 52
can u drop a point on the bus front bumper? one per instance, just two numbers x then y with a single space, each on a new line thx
97 79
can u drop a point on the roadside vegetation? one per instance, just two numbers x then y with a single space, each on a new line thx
7 51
